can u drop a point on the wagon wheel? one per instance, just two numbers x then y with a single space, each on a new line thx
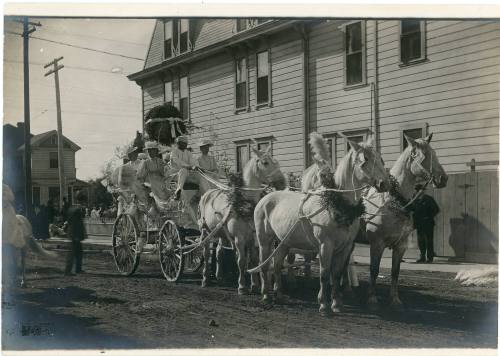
170 251
125 238
193 261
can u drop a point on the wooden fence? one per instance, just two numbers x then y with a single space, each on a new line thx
467 227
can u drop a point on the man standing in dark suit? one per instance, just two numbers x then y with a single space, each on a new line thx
424 212
76 232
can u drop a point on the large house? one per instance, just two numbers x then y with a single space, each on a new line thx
45 167
273 82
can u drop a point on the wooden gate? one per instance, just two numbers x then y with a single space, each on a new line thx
467 226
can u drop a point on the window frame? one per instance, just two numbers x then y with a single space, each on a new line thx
265 140
269 101
238 144
363 54
331 140
354 133
53 140
246 107
171 92
179 33
422 126
423 44
51 159
172 38
188 117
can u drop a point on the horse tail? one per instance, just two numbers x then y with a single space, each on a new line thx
39 250
318 146
27 233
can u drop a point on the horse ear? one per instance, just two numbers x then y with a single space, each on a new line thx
268 150
429 138
257 152
411 141
354 145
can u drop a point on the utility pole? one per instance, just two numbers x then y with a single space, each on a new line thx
60 157
28 201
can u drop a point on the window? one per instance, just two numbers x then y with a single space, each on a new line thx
36 196
263 83
354 56
184 97
53 160
53 140
242 156
168 30
241 25
262 146
413 132
241 83
54 195
356 136
412 41
168 94
331 141
183 35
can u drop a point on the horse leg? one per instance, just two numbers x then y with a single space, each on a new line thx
264 252
277 267
397 255
291 280
23 267
376 251
307 267
325 260
206 264
239 243
219 256
254 260
340 265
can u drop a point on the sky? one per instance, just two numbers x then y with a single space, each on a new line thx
101 108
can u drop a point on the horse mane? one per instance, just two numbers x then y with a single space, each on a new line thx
251 171
402 160
343 173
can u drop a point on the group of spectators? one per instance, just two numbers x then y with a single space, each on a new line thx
45 215
101 213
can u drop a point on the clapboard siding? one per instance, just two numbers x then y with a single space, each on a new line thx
40 164
153 95
455 93
210 31
155 52
212 104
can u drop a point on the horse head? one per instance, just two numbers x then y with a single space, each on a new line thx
362 165
423 161
265 169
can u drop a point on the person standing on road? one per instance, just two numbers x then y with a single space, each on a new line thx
424 212
76 233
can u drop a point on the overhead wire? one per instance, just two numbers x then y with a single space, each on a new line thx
76 46
70 67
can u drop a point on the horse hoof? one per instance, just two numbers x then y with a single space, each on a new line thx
397 306
242 291
204 284
324 311
336 310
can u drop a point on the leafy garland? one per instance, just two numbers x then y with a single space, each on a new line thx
399 202
345 212
242 207
162 131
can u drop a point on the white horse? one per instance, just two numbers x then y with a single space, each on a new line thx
216 212
17 236
388 222
328 222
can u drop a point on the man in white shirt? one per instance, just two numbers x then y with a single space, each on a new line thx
182 161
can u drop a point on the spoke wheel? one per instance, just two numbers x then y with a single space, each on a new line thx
125 239
170 251
193 261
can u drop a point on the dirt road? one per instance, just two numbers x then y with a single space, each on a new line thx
103 310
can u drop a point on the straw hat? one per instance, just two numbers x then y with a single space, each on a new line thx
205 142
142 156
151 145
182 139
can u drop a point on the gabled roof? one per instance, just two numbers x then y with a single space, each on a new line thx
36 140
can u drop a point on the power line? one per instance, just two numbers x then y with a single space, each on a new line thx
79 47
65 33
69 67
